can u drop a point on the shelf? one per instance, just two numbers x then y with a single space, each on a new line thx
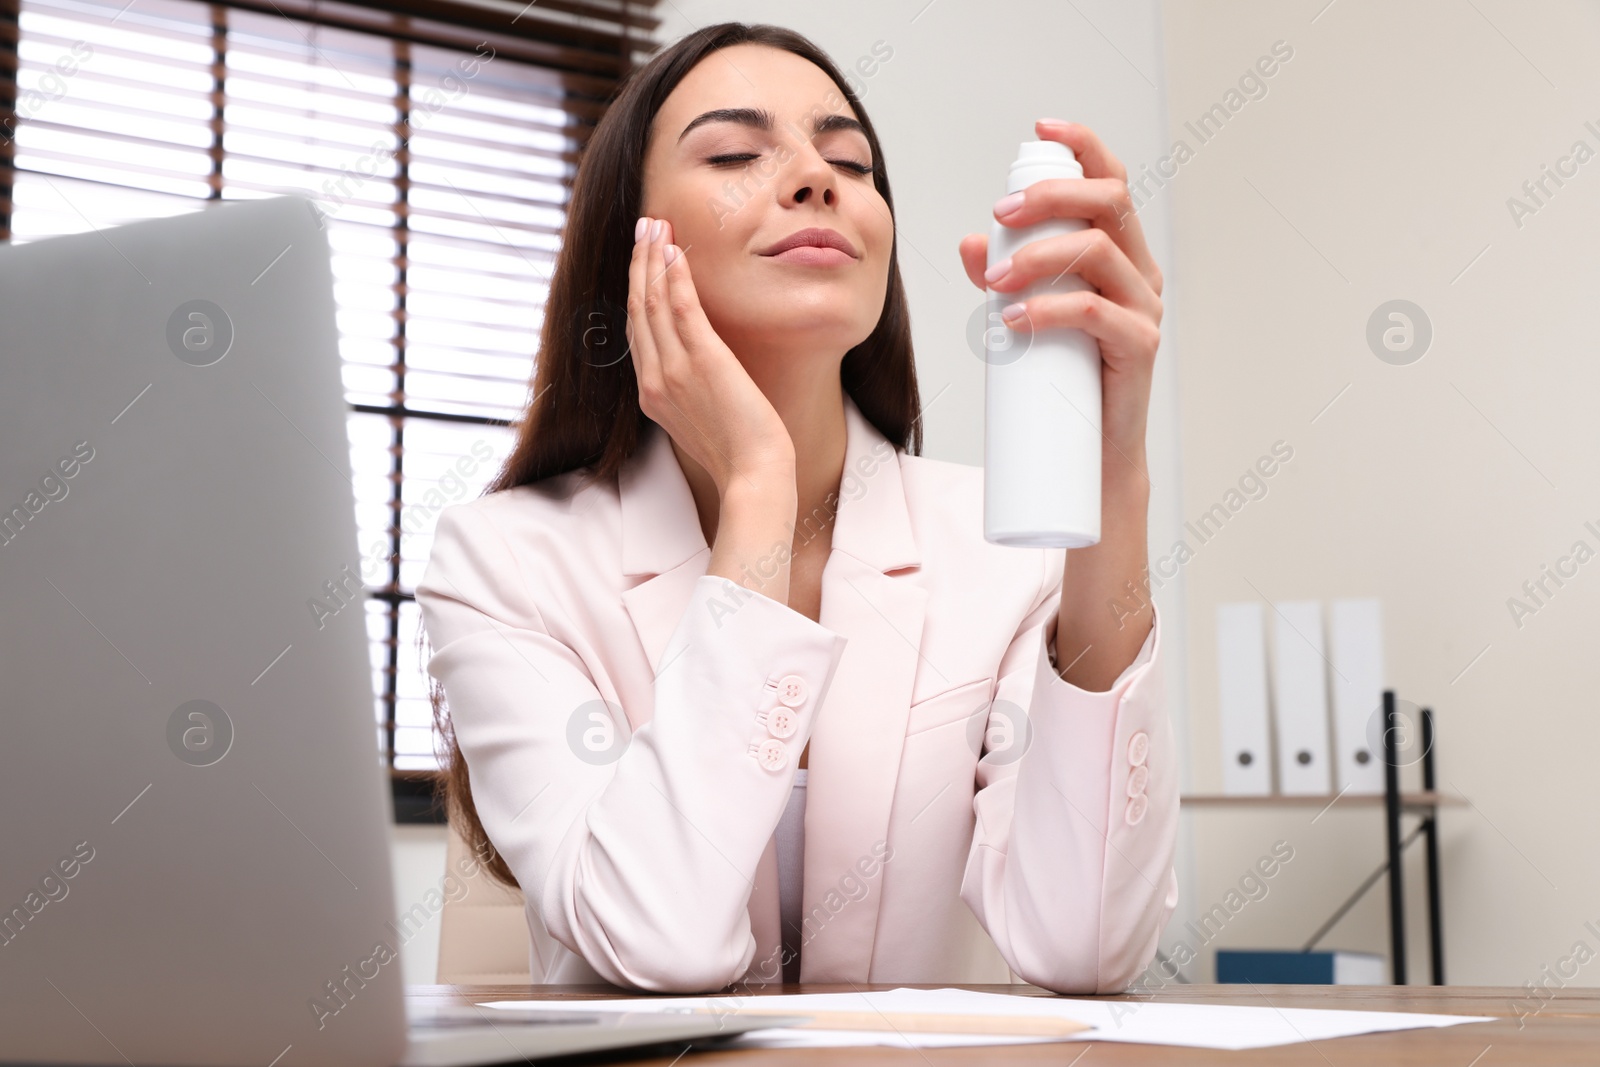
1367 800
1393 803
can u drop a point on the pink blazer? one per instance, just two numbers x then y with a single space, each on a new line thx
631 726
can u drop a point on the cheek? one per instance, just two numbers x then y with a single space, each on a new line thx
713 226
712 237
878 229
714 254
722 282
882 231
691 203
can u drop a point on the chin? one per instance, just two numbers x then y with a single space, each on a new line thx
798 331
823 314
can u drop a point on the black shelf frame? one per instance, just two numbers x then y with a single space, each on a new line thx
1394 806
1429 829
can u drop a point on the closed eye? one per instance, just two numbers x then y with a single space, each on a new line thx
745 157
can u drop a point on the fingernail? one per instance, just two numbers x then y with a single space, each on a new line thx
670 253
998 271
638 227
1054 122
655 229
1007 204
1012 312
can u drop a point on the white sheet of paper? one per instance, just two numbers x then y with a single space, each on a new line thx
1150 1022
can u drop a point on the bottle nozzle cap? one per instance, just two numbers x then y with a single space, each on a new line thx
1045 152
1038 160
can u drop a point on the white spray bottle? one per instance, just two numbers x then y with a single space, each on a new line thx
1041 444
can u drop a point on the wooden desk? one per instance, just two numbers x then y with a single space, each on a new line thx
1567 1031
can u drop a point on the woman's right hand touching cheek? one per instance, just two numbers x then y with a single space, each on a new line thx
693 386
690 382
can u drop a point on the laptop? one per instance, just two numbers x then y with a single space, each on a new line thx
195 830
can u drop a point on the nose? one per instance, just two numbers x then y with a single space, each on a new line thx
808 176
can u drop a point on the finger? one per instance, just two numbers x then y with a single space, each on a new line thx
688 316
1092 154
658 314
974 257
1104 202
1120 331
646 361
1092 255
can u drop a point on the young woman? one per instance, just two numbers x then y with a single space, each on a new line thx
737 691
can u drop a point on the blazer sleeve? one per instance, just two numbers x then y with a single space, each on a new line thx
643 865
1071 868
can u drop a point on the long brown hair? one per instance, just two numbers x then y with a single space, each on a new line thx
583 413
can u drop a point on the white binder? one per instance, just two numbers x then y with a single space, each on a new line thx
1356 633
1242 699
1300 698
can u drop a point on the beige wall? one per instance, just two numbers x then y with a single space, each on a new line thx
1378 166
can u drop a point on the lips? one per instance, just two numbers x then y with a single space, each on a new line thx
813 237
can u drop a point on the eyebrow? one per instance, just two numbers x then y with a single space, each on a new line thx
761 119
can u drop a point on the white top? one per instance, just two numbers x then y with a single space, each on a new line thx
791 837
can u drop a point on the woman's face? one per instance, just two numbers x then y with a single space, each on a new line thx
727 213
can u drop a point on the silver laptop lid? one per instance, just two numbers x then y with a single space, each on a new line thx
195 842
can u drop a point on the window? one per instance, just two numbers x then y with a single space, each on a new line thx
438 138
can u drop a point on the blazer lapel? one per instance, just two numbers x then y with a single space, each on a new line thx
661 537
856 739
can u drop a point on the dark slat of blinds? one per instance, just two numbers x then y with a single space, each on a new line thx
632 15
402 412
577 50
9 35
8 106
